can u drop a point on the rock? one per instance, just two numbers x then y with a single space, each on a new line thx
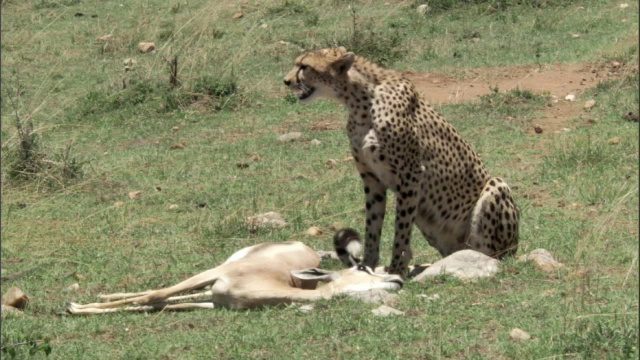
624 6
8 310
422 9
385 310
630 116
146 47
570 97
267 220
289 136
313 231
173 207
134 194
73 287
433 297
376 296
238 15
614 141
178 146
336 226
305 308
107 37
129 61
264 26
589 104
14 297
538 130
175 128
519 335
315 142
575 36
331 163
542 259
118 203
348 159
464 264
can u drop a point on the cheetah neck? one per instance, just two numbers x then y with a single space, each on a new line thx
363 77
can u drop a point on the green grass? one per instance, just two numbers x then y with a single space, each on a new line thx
577 192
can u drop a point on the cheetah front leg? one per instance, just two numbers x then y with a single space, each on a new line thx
406 204
375 200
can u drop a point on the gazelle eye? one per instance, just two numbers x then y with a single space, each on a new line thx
362 268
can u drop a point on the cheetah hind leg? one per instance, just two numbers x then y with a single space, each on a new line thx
494 221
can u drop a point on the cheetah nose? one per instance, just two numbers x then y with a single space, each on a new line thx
287 82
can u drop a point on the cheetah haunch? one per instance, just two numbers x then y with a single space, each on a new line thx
401 143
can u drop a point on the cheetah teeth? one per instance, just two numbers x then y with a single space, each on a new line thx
306 93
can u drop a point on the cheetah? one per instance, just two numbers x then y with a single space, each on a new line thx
400 143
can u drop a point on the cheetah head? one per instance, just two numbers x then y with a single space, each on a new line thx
318 73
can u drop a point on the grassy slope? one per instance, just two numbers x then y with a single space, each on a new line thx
53 60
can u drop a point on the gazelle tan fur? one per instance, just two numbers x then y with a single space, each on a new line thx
256 276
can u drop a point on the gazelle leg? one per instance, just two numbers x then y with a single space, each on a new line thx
72 308
121 296
195 282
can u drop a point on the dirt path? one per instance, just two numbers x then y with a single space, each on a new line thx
557 80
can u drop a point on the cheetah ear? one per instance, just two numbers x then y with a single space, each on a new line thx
344 62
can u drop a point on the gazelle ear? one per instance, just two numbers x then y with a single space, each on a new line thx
344 62
314 274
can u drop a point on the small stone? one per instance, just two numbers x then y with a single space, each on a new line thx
175 128
146 47
73 287
538 130
179 146
566 129
464 264
238 15
542 259
173 207
615 64
385 310
15 297
289 136
80 277
335 226
630 116
118 203
575 36
306 308
264 26
106 37
348 159
313 231
315 142
267 220
433 297
255 158
614 141
589 104
570 97
134 194
129 61
519 335
282 42
331 163
624 6
422 9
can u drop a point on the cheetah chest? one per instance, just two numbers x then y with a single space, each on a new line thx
371 154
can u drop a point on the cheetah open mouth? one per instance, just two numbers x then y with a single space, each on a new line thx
306 92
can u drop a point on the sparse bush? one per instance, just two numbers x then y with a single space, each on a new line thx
375 45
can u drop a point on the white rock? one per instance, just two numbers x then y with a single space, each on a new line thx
422 9
289 136
313 231
315 142
375 296
570 97
433 297
589 104
519 335
624 6
385 310
73 287
306 308
464 264
542 259
267 220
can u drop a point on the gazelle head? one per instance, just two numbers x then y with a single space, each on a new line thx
352 280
